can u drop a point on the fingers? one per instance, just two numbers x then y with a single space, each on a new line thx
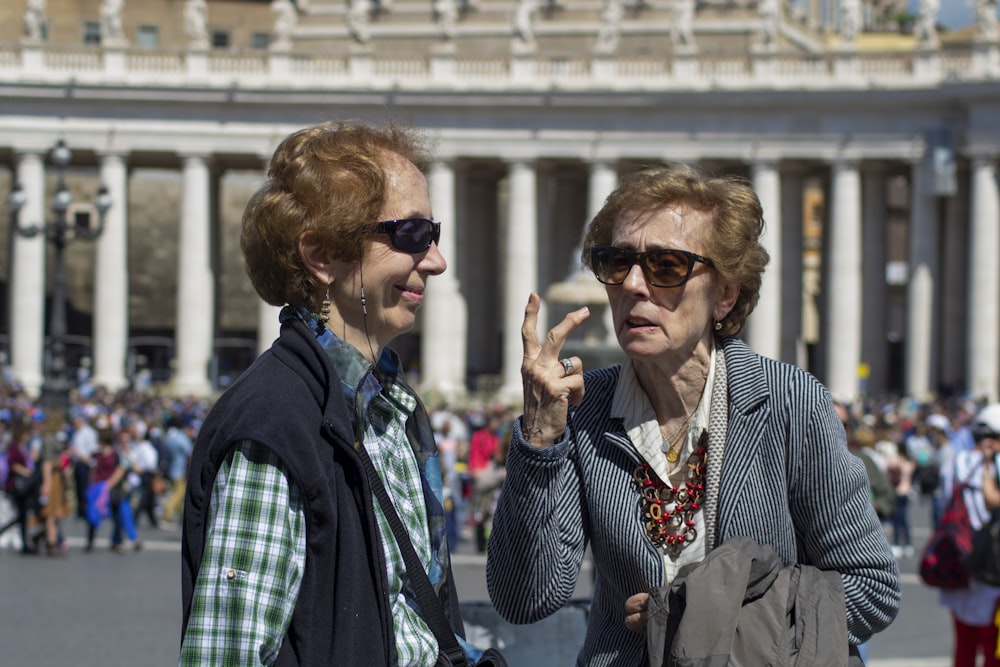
636 612
556 337
529 329
550 383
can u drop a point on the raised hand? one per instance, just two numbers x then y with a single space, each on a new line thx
550 383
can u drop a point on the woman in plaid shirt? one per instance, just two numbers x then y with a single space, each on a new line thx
287 556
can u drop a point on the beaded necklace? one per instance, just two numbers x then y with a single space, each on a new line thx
672 529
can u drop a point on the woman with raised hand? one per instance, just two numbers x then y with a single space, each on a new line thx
692 441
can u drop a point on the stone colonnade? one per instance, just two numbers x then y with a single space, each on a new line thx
854 252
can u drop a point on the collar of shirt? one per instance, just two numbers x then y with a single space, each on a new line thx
359 379
631 405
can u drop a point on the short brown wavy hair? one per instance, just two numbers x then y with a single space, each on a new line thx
734 243
328 179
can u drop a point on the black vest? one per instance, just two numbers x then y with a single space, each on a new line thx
342 614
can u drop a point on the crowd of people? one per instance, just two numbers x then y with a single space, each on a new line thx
919 453
80 464
118 456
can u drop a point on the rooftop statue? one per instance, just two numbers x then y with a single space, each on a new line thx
111 22
850 20
358 12
35 21
524 23
446 14
986 20
927 23
609 32
683 32
195 23
285 19
769 12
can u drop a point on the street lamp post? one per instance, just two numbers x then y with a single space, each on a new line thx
59 231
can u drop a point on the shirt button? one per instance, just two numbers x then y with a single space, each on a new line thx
230 574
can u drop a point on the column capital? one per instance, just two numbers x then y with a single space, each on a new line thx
611 162
982 154
21 152
530 161
206 157
112 153
447 163
847 160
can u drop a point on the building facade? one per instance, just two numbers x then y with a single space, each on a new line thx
874 154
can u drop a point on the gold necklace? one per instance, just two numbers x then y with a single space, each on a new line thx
669 446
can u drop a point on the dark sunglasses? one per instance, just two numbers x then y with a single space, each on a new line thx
662 268
412 235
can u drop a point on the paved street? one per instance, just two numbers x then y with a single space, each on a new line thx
110 610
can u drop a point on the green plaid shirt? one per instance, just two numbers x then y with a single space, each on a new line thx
256 543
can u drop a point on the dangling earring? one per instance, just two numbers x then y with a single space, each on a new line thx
324 310
718 325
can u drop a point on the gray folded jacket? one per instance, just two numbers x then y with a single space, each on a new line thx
741 607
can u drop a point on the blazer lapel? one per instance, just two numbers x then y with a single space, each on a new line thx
748 414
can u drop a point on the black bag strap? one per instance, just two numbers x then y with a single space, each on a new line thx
431 607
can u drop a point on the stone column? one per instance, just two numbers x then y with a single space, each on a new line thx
603 180
195 281
984 281
792 184
520 269
111 286
764 330
268 326
27 278
842 320
874 351
444 315
952 316
921 277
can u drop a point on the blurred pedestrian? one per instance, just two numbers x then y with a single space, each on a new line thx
107 496
974 608
24 481
144 460
83 445
54 497
179 441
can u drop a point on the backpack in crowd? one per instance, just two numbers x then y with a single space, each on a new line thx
984 561
942 562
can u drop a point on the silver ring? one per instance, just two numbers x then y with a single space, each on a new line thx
568 366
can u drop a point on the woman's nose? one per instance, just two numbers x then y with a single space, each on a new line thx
433 261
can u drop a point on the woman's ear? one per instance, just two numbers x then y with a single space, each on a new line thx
316 257
726 302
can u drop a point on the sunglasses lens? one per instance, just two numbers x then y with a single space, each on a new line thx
667 268
416 235
611 265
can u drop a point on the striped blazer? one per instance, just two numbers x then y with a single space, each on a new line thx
778 471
